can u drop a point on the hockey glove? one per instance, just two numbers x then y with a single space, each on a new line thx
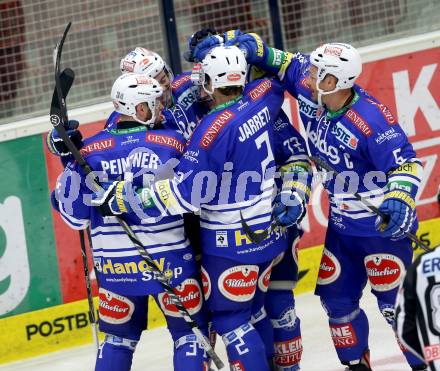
402 215
195 40
116 198
290 203
399 204
231 37
289 208
200 51
252 45
55 144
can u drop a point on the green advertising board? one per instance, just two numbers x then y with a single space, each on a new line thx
29 277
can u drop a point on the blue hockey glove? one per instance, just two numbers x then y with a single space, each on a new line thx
252 45
204 46
118 197
55 144
289 208
402 215
231 37
195 39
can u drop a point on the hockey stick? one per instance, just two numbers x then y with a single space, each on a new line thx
92 312
258 237
66 81
385 218
57 121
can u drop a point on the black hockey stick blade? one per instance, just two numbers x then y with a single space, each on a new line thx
66 81
257 237
59 48
62 117
385 218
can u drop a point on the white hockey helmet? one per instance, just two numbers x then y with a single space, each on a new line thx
225 66
131 89
146 62
340 60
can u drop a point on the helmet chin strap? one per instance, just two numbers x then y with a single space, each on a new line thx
209 92
149 123
322 92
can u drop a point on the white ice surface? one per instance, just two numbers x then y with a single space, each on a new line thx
154 350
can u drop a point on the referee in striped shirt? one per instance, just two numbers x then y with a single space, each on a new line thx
418 309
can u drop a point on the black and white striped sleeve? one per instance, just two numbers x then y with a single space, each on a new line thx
407 306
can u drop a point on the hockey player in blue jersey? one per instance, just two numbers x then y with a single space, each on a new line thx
358 136
279 306
228 168
140 148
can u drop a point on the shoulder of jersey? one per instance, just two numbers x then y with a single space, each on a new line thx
258 89
181 82
368 115
212 126
99 142
167 138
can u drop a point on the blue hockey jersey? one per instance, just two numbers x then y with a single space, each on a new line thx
129 151
228 167
363 142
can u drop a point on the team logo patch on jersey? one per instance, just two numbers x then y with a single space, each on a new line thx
384 271
206 283
329 269
237 366
239 283
221 238
260 90
190 295
97 263
100 145
343 336
114 308
359 122
288 352
263 280
216 126
345 136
